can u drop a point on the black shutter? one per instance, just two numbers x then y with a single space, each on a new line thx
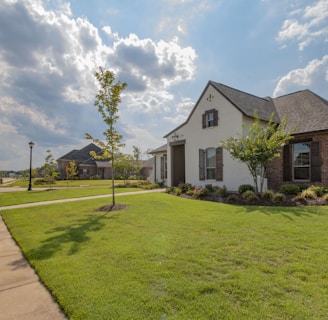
219 164
216 117
287 167
204 120
201 164
315 162
162 168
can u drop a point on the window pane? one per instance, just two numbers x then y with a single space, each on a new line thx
302 159
302 173
210 158
210 119
210 173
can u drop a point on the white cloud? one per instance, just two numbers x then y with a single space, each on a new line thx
47 84
306 25
315 75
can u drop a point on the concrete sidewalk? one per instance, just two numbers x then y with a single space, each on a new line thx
22 295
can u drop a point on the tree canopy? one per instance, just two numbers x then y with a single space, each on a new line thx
107 100
262 144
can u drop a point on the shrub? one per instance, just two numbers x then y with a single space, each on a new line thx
248 194
221 191
169 190
149 186
232 199
268 195
300 198
197 193
325 198
309 194
279 197
290 189
245 187
209 187
319 190
38 181
177 191
252 198
185 187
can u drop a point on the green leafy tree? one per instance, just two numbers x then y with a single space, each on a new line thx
50 168
259 147
107 100
125 167
137 155
71 170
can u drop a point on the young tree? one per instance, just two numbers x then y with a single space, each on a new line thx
107 100
125 166
137 155
50 168
71 170
259 147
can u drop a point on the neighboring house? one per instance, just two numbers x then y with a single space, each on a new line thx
159 163
86 165
193 153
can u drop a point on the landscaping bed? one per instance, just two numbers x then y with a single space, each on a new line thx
290 195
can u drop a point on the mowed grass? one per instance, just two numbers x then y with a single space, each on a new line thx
173 258
35 195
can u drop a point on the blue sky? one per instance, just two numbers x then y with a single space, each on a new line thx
165 50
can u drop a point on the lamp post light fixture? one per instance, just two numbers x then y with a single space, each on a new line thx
31 145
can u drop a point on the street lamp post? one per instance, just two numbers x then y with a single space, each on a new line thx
31 145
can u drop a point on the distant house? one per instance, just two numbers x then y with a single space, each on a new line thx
87 166
193 153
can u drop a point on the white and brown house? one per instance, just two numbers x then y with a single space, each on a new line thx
193 153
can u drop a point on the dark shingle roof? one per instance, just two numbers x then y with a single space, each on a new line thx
82 155
248 103
305 111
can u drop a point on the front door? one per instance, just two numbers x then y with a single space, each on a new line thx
178 164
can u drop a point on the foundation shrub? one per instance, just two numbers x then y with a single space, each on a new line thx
252 198
309 194
290 189
279 197
247 194
268 195
245 187
319 190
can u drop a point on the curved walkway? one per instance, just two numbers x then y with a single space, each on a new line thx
22 295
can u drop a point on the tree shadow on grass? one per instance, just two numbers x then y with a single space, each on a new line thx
73 235
287 212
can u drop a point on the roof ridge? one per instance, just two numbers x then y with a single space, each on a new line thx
243 92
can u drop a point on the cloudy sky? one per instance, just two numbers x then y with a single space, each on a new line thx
165 50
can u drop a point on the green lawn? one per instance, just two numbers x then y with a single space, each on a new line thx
64 183
11 198
185 259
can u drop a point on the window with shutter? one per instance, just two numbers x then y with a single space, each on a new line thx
219 164
210 118
201 164
315 162
301 161
287 172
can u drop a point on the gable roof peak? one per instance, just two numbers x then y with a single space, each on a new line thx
248 103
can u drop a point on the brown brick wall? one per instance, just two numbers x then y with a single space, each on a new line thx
275 170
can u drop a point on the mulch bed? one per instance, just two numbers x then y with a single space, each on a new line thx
111 207
237 199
